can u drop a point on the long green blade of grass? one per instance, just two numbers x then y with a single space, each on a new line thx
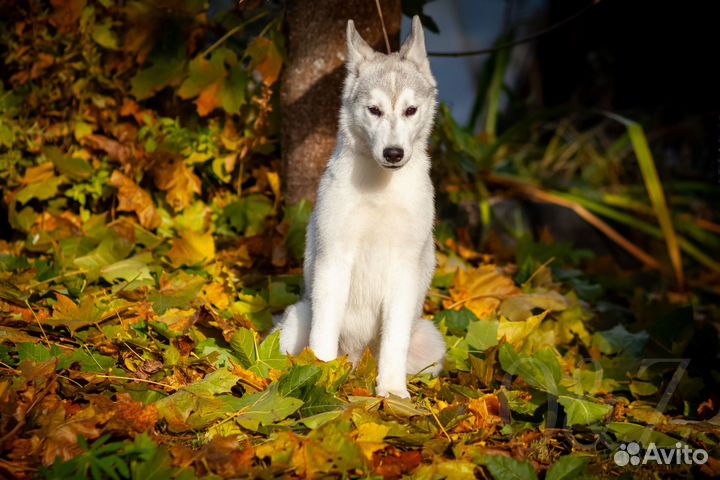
634 222
655 191
495 91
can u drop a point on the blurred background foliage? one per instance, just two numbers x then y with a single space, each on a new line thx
146 243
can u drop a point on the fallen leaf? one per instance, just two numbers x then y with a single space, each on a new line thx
134 199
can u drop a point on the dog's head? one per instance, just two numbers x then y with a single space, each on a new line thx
389 100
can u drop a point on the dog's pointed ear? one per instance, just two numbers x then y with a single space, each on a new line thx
414 47
358 49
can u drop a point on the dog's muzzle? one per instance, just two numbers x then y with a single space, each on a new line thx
393 157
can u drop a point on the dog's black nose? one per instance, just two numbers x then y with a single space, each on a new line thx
393 154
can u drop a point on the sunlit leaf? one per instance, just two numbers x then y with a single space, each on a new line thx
583 412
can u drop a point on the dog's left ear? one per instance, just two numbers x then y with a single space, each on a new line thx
414 47
358 49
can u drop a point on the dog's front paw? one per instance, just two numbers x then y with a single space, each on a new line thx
386 392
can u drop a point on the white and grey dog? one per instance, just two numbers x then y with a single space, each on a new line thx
370 253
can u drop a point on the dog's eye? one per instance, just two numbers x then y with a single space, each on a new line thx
410 111
375 111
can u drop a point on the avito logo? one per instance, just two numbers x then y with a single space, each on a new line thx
682 454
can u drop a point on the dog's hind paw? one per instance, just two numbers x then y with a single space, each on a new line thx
398 392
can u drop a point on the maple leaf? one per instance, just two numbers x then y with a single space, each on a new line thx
192 248
266 59
481 290
67 314
179 182
134 199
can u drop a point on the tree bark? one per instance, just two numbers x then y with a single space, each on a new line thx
312 81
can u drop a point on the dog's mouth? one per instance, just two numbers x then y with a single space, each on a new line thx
391 166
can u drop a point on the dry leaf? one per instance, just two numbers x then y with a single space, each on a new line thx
179 182
134 199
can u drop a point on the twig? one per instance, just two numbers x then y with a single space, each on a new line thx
47 340
476 297
232 32
117 377
429 407
520 41
382 22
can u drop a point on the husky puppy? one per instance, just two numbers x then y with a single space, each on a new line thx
370 253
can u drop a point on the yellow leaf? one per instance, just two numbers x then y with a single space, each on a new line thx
192 248
486 411
481 290
517 332
370 438
274 181
42 172
215 294
180 183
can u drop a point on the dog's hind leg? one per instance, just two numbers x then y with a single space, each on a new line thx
427 348
295 328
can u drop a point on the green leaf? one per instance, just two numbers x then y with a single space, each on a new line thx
618 341
73 167
163 72
264 408
200 404
180 291
507 468
104 36
247 215
112 249
202 73
645 435
299 377
232 93
278 296
567 467
541 371
319 419
243 343
219 381
37 352
456 321
73 317
89 362
40 190
583 412
482 334
155 462
269 356
133 269
297 216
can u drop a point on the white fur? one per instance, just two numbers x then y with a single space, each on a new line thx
370 253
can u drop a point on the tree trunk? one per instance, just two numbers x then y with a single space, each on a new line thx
312 81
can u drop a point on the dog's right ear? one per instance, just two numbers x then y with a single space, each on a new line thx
358 49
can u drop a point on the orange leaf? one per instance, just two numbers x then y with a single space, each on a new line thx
180 183
209 98
481 290
134 199
266 59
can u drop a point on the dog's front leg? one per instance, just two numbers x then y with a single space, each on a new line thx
330 290
399 312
